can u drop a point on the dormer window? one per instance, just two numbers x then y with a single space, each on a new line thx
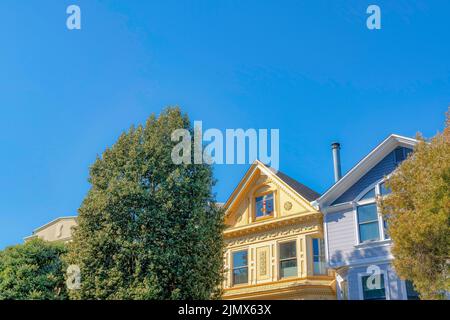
264 206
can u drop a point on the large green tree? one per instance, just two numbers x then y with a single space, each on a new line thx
148 228
418 213
33 270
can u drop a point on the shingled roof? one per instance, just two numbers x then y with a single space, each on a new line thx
306 192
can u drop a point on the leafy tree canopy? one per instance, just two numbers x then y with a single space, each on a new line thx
148 228
418 213
33 270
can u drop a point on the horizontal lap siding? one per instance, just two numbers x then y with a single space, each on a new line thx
383 168
392 282
341 235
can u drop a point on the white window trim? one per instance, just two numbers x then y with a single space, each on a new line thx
386 284
358 203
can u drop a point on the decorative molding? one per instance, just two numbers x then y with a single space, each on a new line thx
287 205
279 232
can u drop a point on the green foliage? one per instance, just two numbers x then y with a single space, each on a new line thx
418 212
32 270
148 229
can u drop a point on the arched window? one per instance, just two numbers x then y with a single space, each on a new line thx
371 225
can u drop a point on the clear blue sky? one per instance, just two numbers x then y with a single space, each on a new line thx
310 68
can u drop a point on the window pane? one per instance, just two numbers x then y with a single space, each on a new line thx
287 250
319 267
369 231
369 195
240 276
318 256
239 259
288 268
316 250
367 213
410 291
384 190
373 293
264 205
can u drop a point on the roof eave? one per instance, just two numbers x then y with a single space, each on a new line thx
362 167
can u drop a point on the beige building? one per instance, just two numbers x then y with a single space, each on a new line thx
59 229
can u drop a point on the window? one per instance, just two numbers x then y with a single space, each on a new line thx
318 256
371 225
368 222
384 191
369 195
288 259
240 267
264 206
411 293
370 293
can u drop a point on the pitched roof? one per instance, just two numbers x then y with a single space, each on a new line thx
363 166
306 192
303 191
54 221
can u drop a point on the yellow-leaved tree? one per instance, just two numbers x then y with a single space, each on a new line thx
418 215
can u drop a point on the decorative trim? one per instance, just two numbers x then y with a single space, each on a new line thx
269 229
285 231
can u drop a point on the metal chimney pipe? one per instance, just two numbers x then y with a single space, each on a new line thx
336 149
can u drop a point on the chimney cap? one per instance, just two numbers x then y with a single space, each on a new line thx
335 145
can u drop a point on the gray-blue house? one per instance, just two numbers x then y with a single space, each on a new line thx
357 243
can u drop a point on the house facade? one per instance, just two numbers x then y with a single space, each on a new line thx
274 240
357 242
58 230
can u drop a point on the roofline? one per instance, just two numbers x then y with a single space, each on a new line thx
365 164
267 171
50 223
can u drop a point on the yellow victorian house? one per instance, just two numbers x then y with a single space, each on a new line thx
274 240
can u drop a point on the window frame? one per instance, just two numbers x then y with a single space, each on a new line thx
287 259
383 236
405 290
321 255
385 281
233 284
270 192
